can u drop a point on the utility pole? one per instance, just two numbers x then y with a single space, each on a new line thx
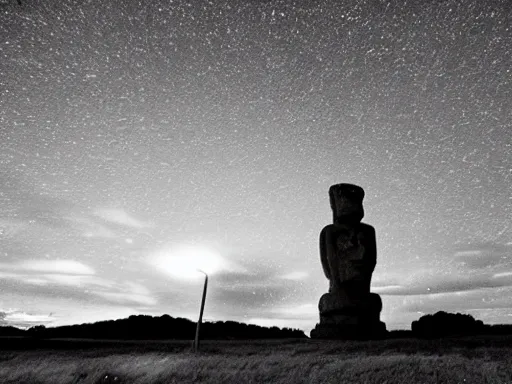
196 340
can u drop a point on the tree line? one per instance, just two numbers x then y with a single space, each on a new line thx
165 327
443 324
144 327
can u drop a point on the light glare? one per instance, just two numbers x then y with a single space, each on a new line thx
187 262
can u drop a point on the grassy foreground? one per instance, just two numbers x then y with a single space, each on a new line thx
476 360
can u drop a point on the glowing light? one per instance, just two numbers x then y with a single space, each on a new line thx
187 260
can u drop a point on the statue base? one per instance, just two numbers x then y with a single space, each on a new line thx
349 319
349 331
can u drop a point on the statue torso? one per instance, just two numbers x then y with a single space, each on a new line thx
348 253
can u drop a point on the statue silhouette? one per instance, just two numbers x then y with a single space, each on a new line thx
348 253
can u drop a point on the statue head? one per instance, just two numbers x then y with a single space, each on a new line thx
346 202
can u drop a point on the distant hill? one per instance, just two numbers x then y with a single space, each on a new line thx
11 331
144 327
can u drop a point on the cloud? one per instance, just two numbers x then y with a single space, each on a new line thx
127 298
56 266
469 253
8 275
427 284
387 289
304 324
251 289
54 281
477 300
34 280
129 292
41 286
90 228
57 311
22 319
485 255
249 297
479 266
298 275
52 274
502 274
121 217
246 278
297 311
137 288
256 292
46 266
33 206
83 281
10 228
118 292
302 316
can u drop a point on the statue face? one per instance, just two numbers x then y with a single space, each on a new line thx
347 202
347 207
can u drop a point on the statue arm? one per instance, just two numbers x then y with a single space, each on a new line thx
372 246
323 253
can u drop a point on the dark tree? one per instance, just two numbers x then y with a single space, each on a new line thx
37 332
443 324
143 327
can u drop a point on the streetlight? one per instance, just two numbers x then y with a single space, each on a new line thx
198 327
183 262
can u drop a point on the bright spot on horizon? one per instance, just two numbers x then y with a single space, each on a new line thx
186 261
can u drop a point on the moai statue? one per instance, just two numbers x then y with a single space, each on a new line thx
348 253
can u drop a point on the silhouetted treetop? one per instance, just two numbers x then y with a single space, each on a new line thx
443 324
144 327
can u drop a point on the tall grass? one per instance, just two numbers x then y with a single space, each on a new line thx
292 362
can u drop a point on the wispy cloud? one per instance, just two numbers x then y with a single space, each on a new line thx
468 253
22 319
485 255
90 227
442 284
82 281
27 276
121 217
477 300
502 274
127 298
10 227
304 324
56 266
56 311
471 268
49 214
297 275
387 289
299 310
48 266
33 280
303 316
70 278
129 293
428 282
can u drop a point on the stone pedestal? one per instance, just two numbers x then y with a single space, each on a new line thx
348 254
339 320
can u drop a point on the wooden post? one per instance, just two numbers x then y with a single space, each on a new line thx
196 340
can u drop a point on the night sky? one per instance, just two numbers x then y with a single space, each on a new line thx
139 138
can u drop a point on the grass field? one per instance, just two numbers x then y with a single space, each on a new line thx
465 360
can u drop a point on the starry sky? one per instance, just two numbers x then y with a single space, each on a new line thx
137 137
